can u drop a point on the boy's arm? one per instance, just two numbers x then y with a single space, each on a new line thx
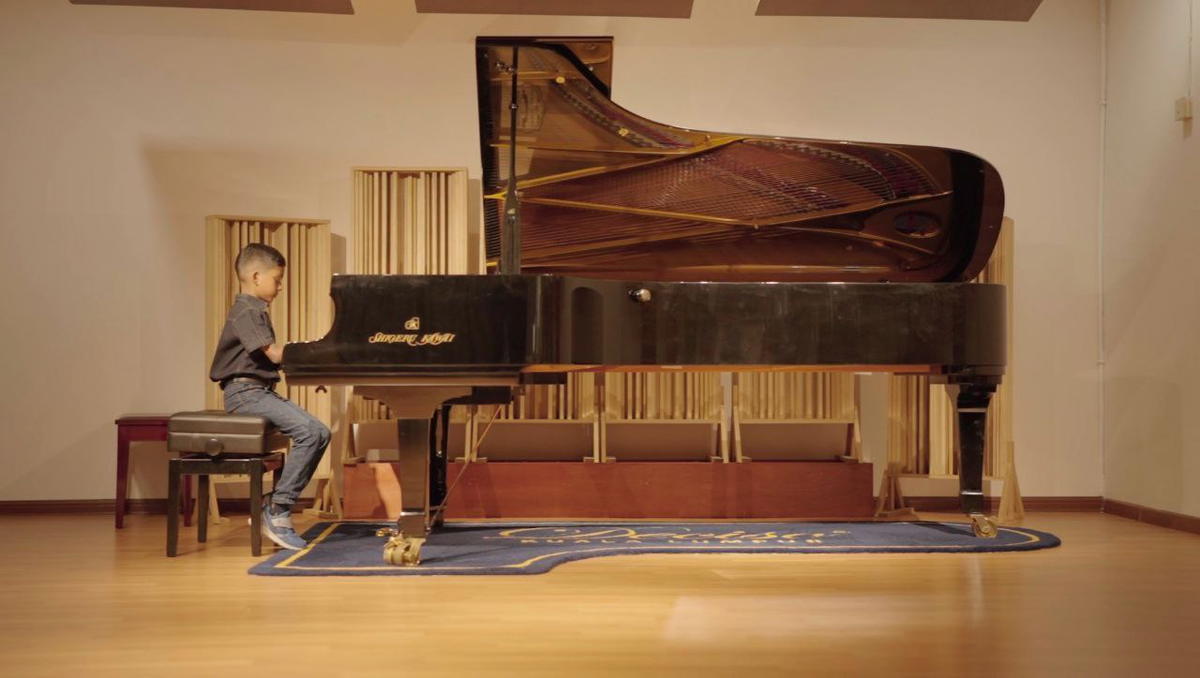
254 330
274 353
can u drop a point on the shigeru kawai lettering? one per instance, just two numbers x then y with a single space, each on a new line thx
430 339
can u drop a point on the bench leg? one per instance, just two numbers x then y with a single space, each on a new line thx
188 503
256 491
172 508
119 505
202 504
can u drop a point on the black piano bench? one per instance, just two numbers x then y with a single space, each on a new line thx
211 441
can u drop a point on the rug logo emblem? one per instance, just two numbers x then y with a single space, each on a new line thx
634 535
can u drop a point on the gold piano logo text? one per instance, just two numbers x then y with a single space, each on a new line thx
431 339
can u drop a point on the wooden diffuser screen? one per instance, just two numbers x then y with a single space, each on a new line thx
794 398
795 395
908 422
663 396
680 398
922 431
573 401
409 220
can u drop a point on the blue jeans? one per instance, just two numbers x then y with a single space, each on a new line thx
309 436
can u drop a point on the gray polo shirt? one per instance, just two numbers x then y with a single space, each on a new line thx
239 350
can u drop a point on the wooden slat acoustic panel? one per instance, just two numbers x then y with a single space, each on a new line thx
410 220
992 10
796 395
668 9
792 409
661 415
575 400
908 422
663 395
316 6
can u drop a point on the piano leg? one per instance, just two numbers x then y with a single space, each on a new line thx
439 437
971 402
422 426
404 546
414 407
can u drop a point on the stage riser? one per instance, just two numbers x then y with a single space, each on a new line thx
638 490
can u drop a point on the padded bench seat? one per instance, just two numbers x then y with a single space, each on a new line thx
215 432
213 442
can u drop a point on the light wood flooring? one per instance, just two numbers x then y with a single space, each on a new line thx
1119 598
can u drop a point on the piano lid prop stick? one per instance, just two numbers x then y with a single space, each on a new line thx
510 255
437 511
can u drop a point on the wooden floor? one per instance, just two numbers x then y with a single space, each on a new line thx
1119 598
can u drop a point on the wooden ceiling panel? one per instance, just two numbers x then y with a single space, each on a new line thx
994 10
667 9
317 6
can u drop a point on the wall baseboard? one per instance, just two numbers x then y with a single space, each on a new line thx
941 504
1152 516
144 506
1038 504
65 505
1144 514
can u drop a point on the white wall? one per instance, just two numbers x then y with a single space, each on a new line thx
1151 247
123 127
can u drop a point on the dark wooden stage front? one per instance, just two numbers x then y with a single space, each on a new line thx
637 490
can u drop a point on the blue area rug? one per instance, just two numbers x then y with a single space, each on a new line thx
351 548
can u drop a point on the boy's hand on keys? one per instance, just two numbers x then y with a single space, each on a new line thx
274 353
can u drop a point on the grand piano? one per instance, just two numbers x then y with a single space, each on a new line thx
621 244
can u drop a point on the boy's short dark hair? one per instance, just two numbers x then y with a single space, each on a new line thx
257 253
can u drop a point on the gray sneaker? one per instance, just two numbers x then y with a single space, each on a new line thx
278 528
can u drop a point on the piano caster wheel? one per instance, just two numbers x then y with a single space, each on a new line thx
983 526
404 551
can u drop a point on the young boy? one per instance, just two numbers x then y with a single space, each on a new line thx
246 365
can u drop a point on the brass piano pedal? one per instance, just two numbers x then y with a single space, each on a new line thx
387 532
